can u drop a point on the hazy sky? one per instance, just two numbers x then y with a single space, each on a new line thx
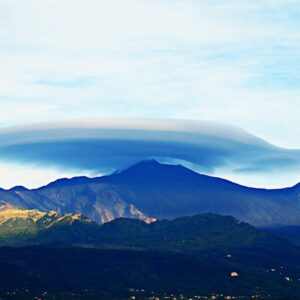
234 62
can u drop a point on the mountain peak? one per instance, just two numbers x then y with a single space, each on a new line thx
152 164
146 163
296 186
152 170
67 181
18 188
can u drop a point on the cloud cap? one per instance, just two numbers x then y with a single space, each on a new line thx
106 145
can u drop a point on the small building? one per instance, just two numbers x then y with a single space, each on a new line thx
287 278
234 274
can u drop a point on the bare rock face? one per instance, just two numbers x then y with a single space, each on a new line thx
6 206
96 201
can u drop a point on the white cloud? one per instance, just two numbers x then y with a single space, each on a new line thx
181 59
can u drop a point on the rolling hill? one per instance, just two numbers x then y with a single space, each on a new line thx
194 233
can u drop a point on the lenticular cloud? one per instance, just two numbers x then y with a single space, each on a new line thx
104 146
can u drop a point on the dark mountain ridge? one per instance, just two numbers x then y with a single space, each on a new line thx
153 190
197 232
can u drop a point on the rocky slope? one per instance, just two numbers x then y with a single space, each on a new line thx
96 201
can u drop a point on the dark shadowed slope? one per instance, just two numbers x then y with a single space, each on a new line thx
82 273
291 233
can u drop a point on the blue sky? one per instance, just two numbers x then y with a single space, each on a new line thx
233 62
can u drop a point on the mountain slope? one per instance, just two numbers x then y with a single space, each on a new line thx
36 227
153 190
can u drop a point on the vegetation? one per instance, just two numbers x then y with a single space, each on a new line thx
195 255
85 271
35 227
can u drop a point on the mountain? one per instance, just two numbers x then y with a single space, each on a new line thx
150 190
195 255
169 191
